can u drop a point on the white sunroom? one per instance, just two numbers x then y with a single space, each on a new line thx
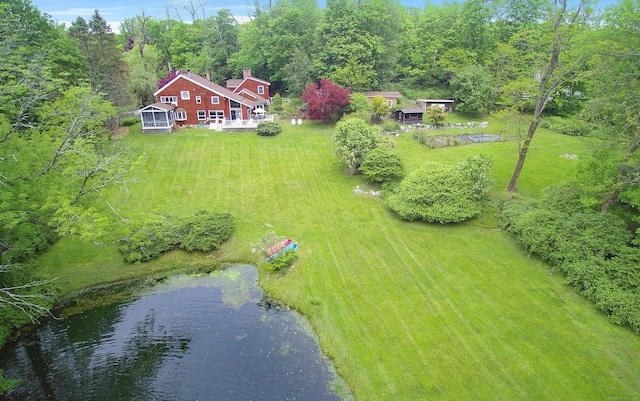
157 117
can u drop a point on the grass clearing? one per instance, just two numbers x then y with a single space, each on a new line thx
408 311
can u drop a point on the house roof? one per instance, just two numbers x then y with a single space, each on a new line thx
412 111
211 86
234 83
257 98
161 106
384 94
435 100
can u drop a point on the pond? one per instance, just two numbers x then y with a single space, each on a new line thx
209 337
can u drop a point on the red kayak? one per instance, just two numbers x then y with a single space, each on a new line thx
278 247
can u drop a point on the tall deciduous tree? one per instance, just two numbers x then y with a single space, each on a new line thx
346 49
143 72
54 154
298 72
354 139
564 24
379 107
473 88
325 99
614 173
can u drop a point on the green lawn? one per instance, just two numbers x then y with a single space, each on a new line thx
408 311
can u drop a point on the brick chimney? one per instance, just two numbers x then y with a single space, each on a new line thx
246 72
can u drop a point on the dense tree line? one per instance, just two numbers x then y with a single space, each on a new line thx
57 101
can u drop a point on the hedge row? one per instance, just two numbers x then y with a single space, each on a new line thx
593 250
203 231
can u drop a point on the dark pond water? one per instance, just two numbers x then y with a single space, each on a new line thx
191 338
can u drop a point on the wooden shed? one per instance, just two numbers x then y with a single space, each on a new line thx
446 104
409 116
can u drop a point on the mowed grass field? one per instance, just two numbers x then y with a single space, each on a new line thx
407 311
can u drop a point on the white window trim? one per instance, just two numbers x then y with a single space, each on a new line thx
389 103
260 90
219 114
202 115
215 100
181 115
198 99
169 100
185 95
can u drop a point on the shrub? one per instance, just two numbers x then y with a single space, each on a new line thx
354 139
358 102
476 169
379 107
148 239
433 193
436 115
129 121
390 126
283 261
268 128
205 231
567 126
590 248
437 193
276 103
380 165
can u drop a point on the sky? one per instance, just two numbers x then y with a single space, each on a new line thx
115 11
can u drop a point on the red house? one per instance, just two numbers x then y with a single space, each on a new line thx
193 100
256 88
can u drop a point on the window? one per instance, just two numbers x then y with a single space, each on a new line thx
260 90
215 100
198 99
202 115
389 103
216 115
181 115
169 99
185 95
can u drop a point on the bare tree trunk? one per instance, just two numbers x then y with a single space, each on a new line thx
547 85
143 32
522 155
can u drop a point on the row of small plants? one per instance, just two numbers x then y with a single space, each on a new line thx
594 251
203 231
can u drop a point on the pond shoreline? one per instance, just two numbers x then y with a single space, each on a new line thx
177 320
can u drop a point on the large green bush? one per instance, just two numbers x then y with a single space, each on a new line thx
268 128
354 138
567 126
129 121
382 166
437 193
205 231
591 249
276 103
148 239
433 193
